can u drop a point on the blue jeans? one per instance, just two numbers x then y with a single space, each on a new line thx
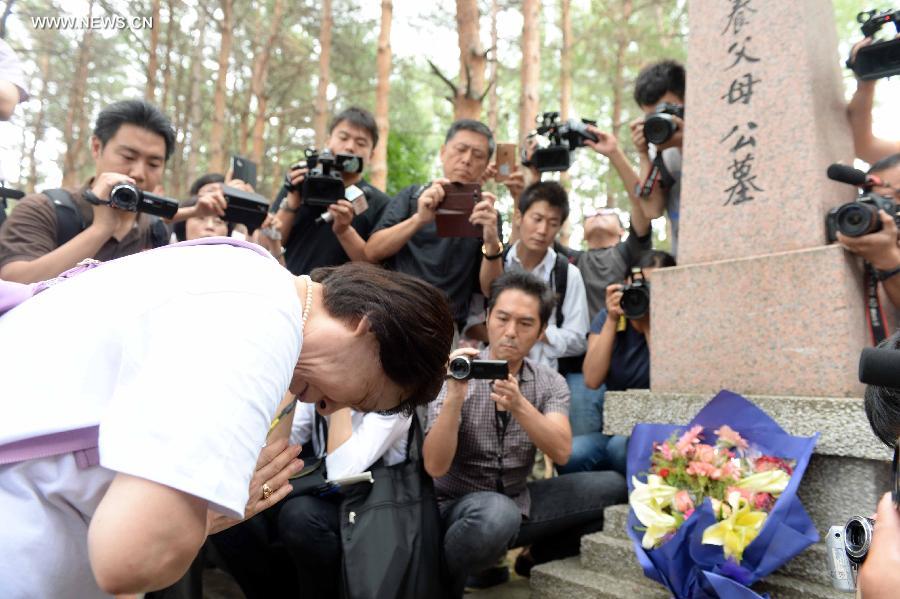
585 405
482 526
596 451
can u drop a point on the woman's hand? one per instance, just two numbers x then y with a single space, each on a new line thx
276 464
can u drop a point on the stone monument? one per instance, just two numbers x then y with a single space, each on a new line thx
759 304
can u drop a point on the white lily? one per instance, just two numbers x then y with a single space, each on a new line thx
770 481
648 500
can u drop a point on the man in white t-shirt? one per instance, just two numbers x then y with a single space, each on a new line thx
181 356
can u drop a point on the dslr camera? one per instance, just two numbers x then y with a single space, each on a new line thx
556 141
858 218
464 368
125 196
323 184
882 58
635 300
660 126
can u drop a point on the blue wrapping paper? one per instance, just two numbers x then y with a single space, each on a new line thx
683 564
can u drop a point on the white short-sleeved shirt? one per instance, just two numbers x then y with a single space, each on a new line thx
181 355
374 436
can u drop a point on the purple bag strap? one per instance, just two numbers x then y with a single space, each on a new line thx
83 441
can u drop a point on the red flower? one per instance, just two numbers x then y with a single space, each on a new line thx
767 462
664 472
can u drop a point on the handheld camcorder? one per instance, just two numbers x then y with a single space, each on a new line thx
860 217
464 368
246 208
848 545
660 126
323 185
882 57
125 196
635 300
556 141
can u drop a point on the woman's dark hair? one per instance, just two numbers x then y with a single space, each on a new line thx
885 163
134 112
658 78
205 179
883 403
547 191
410 318
526 283
180 228
656 259
473 126
358 117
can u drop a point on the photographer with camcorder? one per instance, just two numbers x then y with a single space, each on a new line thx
618 356
480 445
864 553
872 59
332 226
447 232
13 91
658 135
114 214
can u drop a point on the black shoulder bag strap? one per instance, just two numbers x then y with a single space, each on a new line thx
875 315
69 221
560 283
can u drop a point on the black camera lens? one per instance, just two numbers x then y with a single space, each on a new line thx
858 538
659 128
460 368
635 301
857 219
125 197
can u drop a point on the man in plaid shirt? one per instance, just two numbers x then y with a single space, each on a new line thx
480 446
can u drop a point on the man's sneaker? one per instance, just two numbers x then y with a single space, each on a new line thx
524 563
488 578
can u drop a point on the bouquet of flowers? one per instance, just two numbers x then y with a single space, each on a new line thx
717 509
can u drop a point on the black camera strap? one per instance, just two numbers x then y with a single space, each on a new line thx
875 315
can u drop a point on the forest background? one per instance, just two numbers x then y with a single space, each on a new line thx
261 78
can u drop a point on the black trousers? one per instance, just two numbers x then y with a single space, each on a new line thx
291 550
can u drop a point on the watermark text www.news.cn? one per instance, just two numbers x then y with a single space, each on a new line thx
100 23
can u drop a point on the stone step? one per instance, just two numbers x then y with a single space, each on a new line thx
805 576
567 578
809 565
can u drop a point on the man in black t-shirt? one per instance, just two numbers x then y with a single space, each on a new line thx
406 236
309 242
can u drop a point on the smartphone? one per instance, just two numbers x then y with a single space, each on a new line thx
452 216
506 161
243 169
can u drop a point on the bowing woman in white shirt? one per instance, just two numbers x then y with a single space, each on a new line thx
181 426
294 549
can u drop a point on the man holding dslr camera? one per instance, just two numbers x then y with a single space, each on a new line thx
659 91
43 237
409 238
309 240
481 441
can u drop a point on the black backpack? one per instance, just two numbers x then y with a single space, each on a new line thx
70 223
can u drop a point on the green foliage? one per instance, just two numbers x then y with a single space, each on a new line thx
408 157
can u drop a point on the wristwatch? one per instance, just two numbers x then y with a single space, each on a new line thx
484 251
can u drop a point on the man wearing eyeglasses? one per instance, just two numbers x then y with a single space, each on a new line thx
880 249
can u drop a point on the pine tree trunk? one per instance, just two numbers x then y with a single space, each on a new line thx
153 59
565 94
494 97
320 120
258 84
472 61
169 64
531 64
379 170
217 134
38 130
193 106
72 132
179 181
622 41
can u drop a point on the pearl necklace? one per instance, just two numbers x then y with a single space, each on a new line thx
309 293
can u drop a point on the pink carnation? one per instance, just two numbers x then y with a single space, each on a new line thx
666 452
687 441
683 502
705 453
731 437
731 470
702 469
763 501
767 462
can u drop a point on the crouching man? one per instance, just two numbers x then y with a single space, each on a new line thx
480 447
